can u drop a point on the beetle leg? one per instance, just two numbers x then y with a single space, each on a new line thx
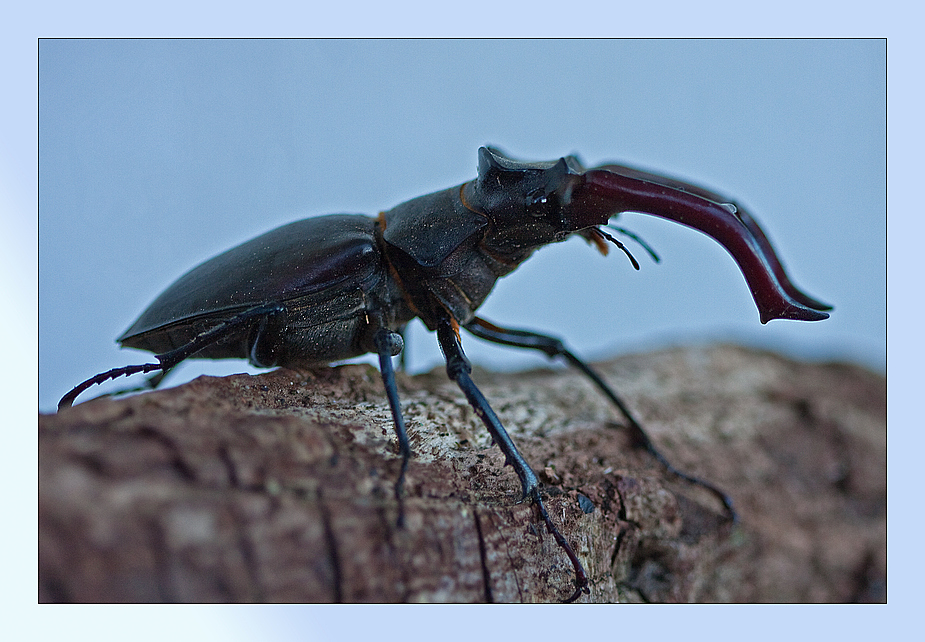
555 348
388 344
68 400
150 383
458 369
261 353
403 355
168 360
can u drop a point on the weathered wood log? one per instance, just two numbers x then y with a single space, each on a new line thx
278 487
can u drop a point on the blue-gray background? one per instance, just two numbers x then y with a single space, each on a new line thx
156 155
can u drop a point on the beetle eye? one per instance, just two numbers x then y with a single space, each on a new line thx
537 202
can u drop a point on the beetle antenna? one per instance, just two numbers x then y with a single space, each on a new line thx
619 245
643 244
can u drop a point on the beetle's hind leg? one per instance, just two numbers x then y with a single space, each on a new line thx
150 383
68 400
554 348
168 360
458 369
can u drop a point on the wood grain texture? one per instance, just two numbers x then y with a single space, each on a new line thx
278 487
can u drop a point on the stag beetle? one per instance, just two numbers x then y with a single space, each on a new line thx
339 286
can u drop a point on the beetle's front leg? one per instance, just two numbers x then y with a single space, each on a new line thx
458 369
554 347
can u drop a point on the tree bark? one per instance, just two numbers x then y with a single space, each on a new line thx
279 487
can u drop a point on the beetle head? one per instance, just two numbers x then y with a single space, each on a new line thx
532 204
527 203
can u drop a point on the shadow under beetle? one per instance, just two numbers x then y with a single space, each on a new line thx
334 287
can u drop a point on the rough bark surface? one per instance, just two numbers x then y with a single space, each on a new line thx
279 487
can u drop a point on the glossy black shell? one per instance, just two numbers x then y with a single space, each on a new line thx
326 271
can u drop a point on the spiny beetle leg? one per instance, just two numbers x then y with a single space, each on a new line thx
150 383
168 360
581 579
388 344
554 347
68 400
458 369
218 333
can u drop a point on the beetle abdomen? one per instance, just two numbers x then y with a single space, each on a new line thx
324 271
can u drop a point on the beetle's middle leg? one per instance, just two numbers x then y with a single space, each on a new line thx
458 369
388 344
553 348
